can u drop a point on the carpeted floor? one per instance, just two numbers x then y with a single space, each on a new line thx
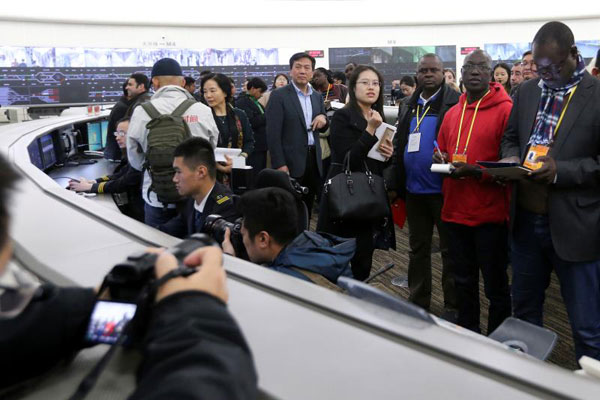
555 313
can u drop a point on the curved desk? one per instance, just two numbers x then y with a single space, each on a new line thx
308 342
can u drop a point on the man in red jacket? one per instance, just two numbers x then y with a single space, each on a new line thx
476 208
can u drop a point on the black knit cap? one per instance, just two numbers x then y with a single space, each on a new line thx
166 67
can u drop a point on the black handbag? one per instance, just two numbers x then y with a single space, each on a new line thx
358 196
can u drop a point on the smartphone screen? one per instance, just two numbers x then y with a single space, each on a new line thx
108 321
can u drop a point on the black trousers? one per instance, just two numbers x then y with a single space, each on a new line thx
480 247
423 211
311 179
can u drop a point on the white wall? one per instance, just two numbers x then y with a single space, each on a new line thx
15 30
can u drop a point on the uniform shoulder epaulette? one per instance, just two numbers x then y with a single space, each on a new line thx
222 198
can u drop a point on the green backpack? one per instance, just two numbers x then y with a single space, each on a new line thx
165 132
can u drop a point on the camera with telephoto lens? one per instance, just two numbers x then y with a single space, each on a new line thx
135 281
215 226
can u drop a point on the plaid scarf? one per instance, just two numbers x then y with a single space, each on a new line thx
551 105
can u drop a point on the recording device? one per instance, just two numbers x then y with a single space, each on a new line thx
301 190
134 283
215 226
108 321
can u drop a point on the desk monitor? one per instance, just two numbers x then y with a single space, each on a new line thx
104 125
94 136
35 156
48 151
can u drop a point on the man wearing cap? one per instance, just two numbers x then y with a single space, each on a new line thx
168 83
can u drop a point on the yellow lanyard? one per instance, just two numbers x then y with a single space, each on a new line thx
562 114
472 123
420 120
327 95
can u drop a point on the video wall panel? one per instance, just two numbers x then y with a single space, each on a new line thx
44 75
38 86
392 62
511 52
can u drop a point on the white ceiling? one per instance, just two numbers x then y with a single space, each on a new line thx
291 13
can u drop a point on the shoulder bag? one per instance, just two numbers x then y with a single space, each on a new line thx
359 196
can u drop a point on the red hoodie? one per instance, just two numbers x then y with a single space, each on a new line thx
473 201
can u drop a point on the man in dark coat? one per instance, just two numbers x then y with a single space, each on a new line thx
248 102
137 87
554 127
112 151
125 184
295 116
195 176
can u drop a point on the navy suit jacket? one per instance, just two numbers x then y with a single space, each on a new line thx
287 136
574 200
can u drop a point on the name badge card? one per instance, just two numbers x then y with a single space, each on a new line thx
459 158
414 142
534 152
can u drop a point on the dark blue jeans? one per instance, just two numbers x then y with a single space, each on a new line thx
155 216
533 258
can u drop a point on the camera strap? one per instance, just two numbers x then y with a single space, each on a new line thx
144 303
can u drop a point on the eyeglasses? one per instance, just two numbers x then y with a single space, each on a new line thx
120 133
551 68
369 83
479 67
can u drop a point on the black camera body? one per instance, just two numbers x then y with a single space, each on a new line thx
126 280
134 281
215 226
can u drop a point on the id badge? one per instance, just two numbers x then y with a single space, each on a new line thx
459 158
534 152
414 142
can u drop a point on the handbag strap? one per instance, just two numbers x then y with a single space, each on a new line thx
346 164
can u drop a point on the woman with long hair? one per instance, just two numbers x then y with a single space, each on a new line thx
279 81
235 131
353 134
501 74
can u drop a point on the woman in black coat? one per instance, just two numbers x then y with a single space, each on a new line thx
235 131
353 132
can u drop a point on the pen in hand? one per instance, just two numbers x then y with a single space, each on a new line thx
437 148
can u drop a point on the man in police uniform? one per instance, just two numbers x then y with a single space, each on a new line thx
195 176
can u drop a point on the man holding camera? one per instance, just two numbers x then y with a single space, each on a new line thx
270 236
192 348
195 176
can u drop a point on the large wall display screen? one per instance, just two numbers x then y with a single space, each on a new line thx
510 52
392 62
31 75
